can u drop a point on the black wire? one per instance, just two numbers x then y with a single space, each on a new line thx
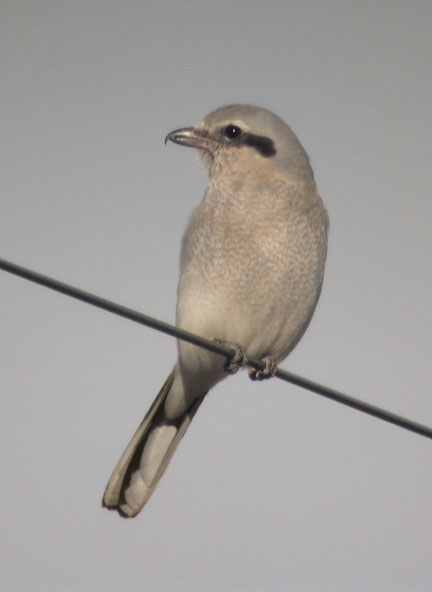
213 346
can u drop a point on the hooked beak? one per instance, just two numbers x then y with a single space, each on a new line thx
193 137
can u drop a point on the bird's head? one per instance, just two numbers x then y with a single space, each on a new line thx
250 132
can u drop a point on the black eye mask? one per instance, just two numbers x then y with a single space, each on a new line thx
262 144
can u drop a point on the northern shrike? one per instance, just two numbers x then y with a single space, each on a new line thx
251 269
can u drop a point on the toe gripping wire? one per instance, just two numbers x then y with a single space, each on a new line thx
259 368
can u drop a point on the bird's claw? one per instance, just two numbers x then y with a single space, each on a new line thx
239 358
267 372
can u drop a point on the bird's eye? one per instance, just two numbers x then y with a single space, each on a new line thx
232 131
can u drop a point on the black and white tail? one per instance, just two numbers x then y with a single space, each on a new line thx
147 456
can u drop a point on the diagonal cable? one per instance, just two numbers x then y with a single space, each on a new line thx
213 346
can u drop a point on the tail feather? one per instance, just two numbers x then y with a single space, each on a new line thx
147 456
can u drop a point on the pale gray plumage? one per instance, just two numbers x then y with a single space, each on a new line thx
251 270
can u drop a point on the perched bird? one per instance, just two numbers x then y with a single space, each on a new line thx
251 269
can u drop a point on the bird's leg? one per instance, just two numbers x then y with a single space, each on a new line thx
267 372
239 358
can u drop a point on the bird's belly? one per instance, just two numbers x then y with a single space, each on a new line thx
259 292
266 318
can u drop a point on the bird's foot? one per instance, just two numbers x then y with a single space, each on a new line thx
267 372
239 358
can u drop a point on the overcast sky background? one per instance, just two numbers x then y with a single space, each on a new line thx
272 488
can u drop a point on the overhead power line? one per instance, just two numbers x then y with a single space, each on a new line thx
213 346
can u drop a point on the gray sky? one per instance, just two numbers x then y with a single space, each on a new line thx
272 488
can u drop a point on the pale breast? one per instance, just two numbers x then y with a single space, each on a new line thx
252 272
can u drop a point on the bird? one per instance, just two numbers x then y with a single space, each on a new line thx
251 270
